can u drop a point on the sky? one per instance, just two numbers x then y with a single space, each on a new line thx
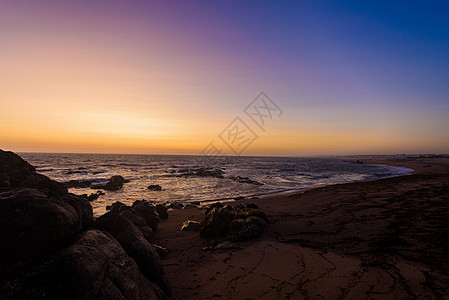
171 77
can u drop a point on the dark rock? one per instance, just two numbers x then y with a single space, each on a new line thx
249 210
239 198
22 174
155 187
239 223
250 228
136 246
202 172
37 215
190 226
216 223
139 222
115 183
36 225
78 183
148 212
94 196
94 267
212 206
75 172
45 253
162 211
118 207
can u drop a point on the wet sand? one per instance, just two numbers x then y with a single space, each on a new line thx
382 239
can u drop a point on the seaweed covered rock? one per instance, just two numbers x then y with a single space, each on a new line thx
238 223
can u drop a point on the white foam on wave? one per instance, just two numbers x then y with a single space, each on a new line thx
396 170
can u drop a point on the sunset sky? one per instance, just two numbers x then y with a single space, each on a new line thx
351 77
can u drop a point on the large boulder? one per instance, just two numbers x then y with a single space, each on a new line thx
148 212
16 172
37 215
136 246
238 223
46 252
131 215
139 222
162 211
94 267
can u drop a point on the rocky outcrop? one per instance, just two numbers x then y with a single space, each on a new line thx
238 223
142 214
136 246
37 215
49 251
93 267
148 212
202 172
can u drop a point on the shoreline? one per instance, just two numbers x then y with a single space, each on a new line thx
379 239
287 192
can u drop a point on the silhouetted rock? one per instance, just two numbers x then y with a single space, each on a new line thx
139 222
134 217
136 246
47 254
148 212
115 183
37 215
162 211
22 174
202 172
94 267
78 183
117 207
93 196
154 187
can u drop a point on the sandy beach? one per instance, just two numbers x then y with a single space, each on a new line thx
382 239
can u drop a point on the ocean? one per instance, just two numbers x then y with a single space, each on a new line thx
182 176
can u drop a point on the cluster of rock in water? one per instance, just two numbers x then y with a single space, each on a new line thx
53 247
